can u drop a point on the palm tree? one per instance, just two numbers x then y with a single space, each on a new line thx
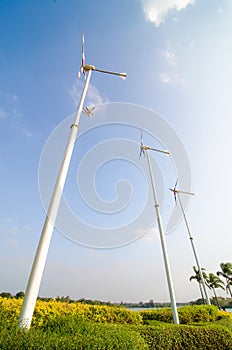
227 274
197 277
213 282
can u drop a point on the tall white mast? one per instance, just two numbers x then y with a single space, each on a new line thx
145 150
36 274
178 192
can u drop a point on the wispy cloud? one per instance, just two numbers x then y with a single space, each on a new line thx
167 78
170 55
152 234
2 113
93 97
6 219
11 231
156 10
11 112
26 132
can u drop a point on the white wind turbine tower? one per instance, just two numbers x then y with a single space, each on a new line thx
36 274
177 193
145 150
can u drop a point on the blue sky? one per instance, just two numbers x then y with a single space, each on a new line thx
177 55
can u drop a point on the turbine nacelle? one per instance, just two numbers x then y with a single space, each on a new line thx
88 111
176 191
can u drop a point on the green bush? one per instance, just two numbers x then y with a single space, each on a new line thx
102 328
187 314
185 337
198 313
81 335
106 314
162 315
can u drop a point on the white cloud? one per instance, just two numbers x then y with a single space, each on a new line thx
169 55
156 10
26 132
93 97
6 220
2 113
152 234
171 78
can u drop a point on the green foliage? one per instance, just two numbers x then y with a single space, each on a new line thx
203 313
46 311
162 315
19 295
5 295
72 326
187 314
182 337
71 333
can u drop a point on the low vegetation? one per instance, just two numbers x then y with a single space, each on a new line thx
64 325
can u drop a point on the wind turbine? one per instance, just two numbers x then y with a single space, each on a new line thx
89 111
145 151
89 67
177 193
36 274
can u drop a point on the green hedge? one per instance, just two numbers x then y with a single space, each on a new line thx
210 330
72 335
187 314
185 337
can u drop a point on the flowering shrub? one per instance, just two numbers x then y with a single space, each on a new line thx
49 310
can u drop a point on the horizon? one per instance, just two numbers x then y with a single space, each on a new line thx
177 58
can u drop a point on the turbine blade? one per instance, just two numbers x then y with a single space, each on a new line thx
83 51
141 144
176 183
175 190
174 193
141 136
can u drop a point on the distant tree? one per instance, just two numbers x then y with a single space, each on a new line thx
19 295
197 302
213 282
226 272
197 277
5 295
63 299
